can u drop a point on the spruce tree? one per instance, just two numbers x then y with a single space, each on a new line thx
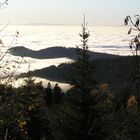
57 93
82 76
13 121
48 95
32 96
76 121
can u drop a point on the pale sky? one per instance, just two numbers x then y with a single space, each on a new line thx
98 12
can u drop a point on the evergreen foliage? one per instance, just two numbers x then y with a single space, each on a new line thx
12 115
34 100
77 111
57 93
82 75
48 95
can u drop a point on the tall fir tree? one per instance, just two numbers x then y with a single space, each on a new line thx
83 76
76 121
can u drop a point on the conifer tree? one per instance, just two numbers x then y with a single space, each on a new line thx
48 95
76 122
82 76
57 93
13 123
32 96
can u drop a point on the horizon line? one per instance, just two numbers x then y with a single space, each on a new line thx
60 24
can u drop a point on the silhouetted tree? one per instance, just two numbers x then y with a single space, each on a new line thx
35 109
48 94
57 92
83 75
76 120
135 44
13 123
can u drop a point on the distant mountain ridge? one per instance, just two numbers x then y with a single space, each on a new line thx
55 52
116 72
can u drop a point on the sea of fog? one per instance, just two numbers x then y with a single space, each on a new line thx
105 39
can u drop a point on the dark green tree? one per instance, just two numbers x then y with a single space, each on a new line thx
13 123
57 93
83 74
48 95
33 99
77 118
